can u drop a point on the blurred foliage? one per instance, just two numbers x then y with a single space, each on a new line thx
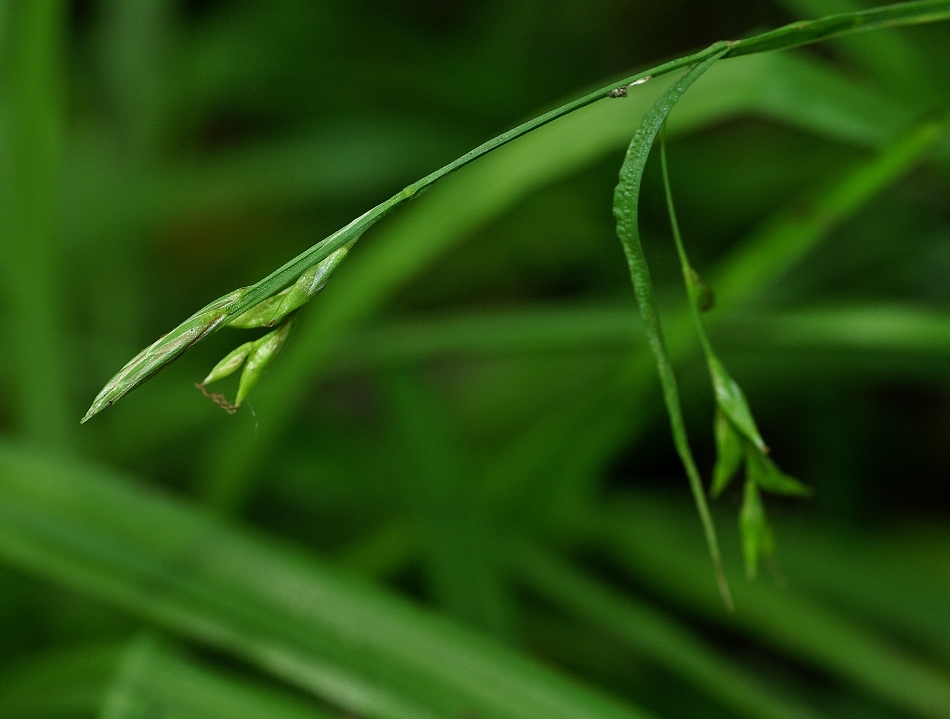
454 494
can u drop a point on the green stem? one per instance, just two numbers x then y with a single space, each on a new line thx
686 268
625 208
788 36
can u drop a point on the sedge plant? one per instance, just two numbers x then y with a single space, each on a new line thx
273 302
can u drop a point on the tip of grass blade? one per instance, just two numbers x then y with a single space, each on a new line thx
92 412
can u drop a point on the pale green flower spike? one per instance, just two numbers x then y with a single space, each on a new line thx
737 437
729 453
260 357
267 313
164 350
754 528
272 310
255 357
731 400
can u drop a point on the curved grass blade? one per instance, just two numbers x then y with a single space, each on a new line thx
626 198
647 536
360 647
154 681
788 36
661 638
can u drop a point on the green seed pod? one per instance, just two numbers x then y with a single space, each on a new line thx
729 453
229 364
754 528
263 314
259 358
311 282
770 478
271 311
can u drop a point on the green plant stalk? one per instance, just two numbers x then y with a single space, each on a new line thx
689 276
730 399
788 36
626 200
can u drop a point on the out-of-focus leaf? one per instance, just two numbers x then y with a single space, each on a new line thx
463 557
154 682
662 639
61 684
359 647
652 538
626 210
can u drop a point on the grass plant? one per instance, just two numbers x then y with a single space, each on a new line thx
454 493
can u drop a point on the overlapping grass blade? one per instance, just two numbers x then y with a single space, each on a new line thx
461 551
663 640
649 537
357 646
153 681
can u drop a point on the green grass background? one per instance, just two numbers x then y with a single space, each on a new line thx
454 495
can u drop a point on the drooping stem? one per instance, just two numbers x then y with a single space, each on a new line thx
626 200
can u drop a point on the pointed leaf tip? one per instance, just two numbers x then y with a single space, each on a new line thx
729 453
770 478
262 354
754 528
731 400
